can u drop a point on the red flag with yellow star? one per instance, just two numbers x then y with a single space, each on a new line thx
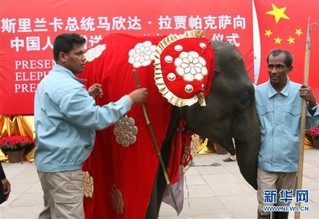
284 24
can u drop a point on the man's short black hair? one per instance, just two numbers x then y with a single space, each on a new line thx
65 42
276 52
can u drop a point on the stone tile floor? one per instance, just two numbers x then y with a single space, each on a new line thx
213 189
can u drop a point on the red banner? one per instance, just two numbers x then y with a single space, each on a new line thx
284 25
29 28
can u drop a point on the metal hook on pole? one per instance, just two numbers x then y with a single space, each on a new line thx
150 128
303 117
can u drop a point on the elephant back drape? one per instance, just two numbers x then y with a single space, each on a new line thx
119 179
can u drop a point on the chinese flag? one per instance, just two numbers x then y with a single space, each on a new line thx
284 25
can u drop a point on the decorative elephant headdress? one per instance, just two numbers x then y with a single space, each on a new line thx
184 66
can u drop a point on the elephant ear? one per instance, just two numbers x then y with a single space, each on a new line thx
184 66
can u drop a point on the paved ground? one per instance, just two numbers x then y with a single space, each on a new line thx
211 191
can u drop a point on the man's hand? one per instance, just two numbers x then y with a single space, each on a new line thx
306 93
95 90
139 95
6 187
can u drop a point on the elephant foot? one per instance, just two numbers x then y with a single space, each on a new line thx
230 158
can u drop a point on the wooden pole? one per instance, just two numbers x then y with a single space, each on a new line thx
150 128
303 120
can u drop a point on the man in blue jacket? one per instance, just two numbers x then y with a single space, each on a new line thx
66 118
279 104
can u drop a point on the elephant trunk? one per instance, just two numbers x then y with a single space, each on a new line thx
247 158
247 144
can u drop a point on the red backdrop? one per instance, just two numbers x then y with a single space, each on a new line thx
29 28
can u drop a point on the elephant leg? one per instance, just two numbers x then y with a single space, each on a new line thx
160 181
158 190
152 209
228 144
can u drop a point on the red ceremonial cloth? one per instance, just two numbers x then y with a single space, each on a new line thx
123 177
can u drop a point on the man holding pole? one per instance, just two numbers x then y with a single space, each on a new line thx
66 118
279 108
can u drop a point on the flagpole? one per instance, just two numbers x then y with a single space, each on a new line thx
303 120
148 122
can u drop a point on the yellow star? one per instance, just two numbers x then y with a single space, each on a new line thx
291 40
278 13
268 33
278 40
298 32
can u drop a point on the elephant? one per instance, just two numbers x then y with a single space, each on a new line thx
123 175
234 118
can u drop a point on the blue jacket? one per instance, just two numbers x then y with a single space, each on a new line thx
279 115
66 118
